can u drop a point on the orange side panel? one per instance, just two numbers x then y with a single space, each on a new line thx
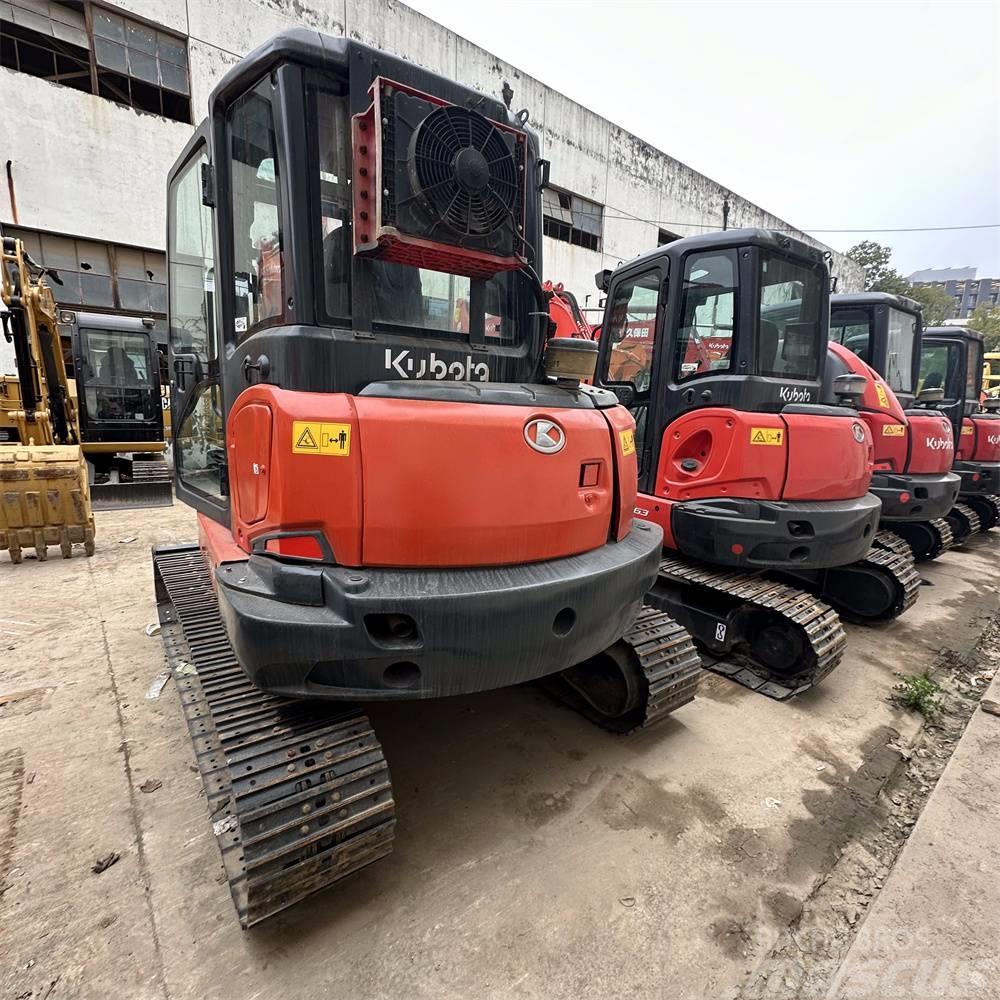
932 444
829 458
987 440
716 445
250 461
456 484
313 488
889 439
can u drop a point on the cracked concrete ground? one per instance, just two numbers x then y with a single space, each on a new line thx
535 855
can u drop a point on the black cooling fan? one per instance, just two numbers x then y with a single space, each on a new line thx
464 168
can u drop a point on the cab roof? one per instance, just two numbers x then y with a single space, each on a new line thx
877 299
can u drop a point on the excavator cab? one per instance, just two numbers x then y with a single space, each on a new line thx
118 390
951 365
884 331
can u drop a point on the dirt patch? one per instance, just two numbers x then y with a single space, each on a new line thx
867 816
541 808
632 801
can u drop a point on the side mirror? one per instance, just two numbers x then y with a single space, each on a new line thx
625 394
603 279
849 388
934 395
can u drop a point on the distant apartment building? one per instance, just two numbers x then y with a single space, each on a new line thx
967 291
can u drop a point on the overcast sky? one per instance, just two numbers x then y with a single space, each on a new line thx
868 114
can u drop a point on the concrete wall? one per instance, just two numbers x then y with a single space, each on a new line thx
87 167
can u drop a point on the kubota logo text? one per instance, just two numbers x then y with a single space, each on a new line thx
406 366
940 444
794 394
993 439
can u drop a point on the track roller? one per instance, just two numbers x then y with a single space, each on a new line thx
650 672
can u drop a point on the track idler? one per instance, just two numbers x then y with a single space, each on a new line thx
927 539
963 521
987 509
650 672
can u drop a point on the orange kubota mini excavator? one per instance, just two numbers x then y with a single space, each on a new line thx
951 367
395 500
747 471
878 336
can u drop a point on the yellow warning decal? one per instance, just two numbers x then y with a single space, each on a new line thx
883 399
967 430
309 437
628 442
767 435
893 430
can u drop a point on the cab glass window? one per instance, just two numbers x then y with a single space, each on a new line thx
852 328
899 356
631 326
790 331
118 376
705 337
257 246
191 258
939 364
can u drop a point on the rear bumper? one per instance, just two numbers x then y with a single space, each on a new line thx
978 478
386 634
776 533
927 496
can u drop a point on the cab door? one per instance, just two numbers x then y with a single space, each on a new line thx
628 352
196 403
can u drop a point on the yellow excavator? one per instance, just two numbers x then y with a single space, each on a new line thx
44 492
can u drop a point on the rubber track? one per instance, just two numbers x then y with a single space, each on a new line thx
669 661
891 542
904 571
662 649
821 624
946 537
971 516
994 502
298 791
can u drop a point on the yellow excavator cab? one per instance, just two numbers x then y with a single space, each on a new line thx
44 493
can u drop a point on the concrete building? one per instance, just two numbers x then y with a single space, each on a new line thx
99 97
962 285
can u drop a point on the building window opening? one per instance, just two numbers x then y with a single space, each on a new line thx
120 58
572 219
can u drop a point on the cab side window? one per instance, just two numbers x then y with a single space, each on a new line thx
705 337
632 328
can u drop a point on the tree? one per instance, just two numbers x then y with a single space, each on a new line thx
986 320
937 304
874 258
